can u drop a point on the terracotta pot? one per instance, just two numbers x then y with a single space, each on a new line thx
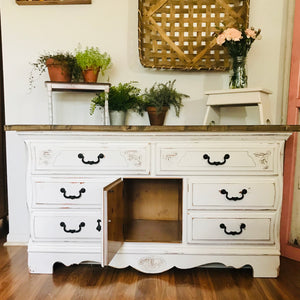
90 75
58 71
157 118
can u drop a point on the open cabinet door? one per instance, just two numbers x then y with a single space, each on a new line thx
113 220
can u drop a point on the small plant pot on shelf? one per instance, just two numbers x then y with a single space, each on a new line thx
117 117
157 118
58 71
90 75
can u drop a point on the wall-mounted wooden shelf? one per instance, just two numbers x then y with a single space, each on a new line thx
52 2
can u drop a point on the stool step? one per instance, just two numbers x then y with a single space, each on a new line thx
237 97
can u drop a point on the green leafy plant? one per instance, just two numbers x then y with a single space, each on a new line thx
163 94
67 60
121 97
92 58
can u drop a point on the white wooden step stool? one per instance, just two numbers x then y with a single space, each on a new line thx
237 97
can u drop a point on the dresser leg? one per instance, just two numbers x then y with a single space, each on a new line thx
43 262
267 267
40 263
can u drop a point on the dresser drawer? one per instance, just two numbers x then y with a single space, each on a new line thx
78 157
233 193
67 192
217 158
66 225
245 228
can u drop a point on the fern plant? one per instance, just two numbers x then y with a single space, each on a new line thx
66 59
163 95
92 58
121 97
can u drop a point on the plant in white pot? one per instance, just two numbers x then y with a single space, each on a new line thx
91 62
121 98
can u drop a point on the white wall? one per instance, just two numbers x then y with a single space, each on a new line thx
28 31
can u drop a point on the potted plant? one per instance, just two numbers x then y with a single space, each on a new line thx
238 42
121 98
158 100
62 67
91 61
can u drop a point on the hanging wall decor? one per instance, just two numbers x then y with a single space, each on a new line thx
52 2
178 34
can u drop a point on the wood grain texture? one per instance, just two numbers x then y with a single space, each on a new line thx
153 231
115 211
128 128
153 199
52 2
94 282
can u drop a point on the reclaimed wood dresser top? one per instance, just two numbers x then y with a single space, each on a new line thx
135 128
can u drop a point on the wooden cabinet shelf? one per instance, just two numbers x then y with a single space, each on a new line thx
154 231
152 209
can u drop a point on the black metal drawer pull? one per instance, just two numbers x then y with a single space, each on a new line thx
90 162
63 225
243 192
99 225
242 226
81 191
216 163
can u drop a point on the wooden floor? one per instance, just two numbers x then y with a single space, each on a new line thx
93 282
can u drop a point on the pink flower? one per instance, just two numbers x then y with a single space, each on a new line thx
221 39
250 33
232 34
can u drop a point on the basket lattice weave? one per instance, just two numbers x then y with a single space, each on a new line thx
178 34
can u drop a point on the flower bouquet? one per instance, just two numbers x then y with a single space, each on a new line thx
238 42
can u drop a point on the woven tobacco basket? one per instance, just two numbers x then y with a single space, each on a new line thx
178 34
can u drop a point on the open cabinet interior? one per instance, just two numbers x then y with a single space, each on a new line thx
152 210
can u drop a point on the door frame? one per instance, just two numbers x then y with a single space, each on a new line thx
3 176
287 249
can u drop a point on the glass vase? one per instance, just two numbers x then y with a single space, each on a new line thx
238 73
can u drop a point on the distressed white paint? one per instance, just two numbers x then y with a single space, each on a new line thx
240 97
203 242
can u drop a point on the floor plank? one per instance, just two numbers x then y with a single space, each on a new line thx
94 282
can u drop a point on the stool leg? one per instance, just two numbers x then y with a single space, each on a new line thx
212 116
106 109
50 104
264 114
261 114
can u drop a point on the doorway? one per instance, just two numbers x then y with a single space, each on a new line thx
290 226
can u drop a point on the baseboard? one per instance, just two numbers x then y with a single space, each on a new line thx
16 240
14 244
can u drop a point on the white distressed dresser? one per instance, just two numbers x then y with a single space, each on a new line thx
154 197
